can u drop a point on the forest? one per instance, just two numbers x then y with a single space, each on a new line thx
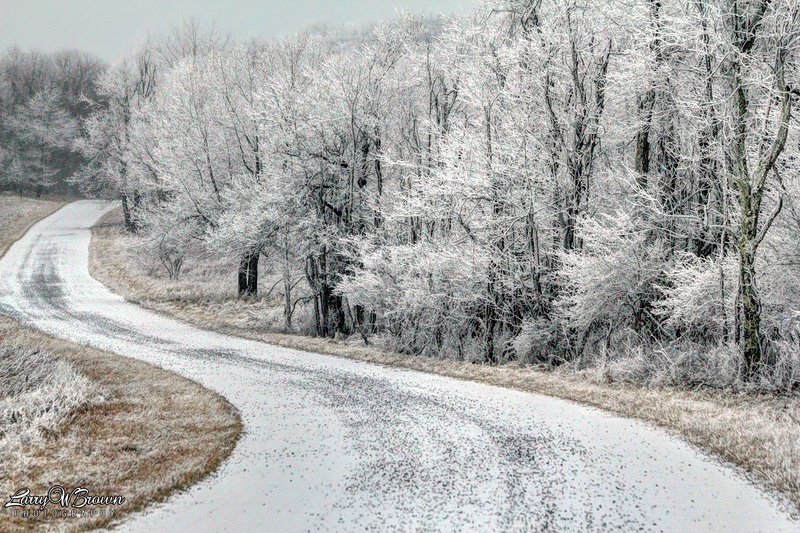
44 101
607 185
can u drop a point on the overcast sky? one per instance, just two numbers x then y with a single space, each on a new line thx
113 28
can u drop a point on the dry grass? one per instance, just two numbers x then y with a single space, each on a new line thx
206 286
18 213
759 433
84 417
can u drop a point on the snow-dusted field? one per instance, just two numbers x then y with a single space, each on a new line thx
336 444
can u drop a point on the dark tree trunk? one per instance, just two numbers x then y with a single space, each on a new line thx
316 274
750 316
646 102
312 277
642 162
329 308
126 214
130 203
287 298
337 314
248 274
324 303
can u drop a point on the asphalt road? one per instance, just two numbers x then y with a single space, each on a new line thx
336 444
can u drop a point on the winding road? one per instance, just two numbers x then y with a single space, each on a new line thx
336 444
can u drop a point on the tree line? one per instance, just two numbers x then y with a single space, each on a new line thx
44 99
609 185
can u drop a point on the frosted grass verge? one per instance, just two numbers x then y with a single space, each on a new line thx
38 392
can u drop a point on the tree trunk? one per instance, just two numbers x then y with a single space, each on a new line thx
287 297
126 214
337 313
751 195
328 307
248 274
646 102
642 162
750 315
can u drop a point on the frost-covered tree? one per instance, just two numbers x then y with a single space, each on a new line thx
106 143
41 134
763 41
42 106
555 182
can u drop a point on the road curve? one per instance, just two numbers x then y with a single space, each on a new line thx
336 444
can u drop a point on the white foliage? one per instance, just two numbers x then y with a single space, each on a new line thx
613 279
699 293
541 181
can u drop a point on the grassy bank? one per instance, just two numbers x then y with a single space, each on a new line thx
18 213
759 433
76 416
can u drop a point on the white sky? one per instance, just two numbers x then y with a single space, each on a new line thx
113 28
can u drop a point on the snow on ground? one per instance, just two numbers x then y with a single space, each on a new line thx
336 444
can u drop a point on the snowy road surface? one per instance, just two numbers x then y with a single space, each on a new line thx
335 444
